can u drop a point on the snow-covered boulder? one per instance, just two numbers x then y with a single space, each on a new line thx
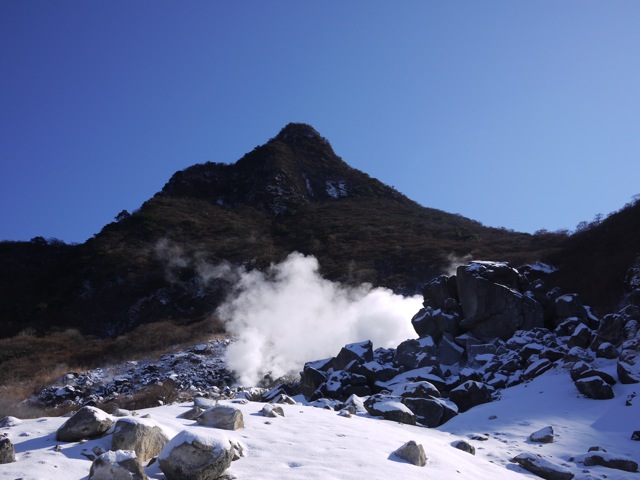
544 435
225 417
429 412
594 387
191 456
117 465
420 389
543 468
389 407
271 410
464 446
88 422
415 353
141 435
361 352
609 460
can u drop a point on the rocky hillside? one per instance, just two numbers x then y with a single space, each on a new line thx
167 260
508 379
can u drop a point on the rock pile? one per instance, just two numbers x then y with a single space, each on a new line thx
198 369
485 329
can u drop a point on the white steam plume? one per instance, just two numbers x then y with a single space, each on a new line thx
454 261
291 315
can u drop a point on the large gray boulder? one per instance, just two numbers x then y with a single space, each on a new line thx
142 436
117 465
491 305
225 417
542 468
88 422
190 456
7 451
413 453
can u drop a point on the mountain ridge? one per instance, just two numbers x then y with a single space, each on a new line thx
291 194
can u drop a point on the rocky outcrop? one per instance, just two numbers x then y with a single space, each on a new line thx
190 456
492 306
88 422
117 465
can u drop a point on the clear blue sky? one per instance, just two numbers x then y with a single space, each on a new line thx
521 114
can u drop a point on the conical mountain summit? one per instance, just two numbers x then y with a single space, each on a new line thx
295 168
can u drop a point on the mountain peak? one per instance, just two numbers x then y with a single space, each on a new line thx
294 131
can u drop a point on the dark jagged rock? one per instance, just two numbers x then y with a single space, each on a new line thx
448 353
594 387
413 353
470 394
360 352
626 374
493 309
428 411
598 373
582 336
610 330
542 468
310 380
610 461
607 350
570 306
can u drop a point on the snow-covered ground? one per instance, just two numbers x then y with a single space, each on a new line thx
313 443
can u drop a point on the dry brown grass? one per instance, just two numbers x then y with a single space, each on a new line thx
29 363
